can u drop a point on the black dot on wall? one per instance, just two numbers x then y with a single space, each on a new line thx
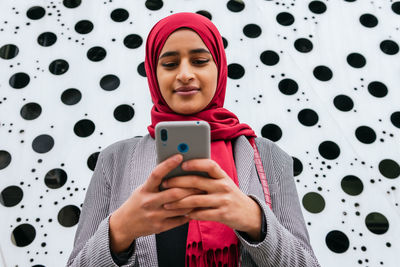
271 131
109 82
23 235
285 18
343 103
133 41
297 166
352 185
337 241
288 86
317 7
329 150
43 143
19 80
389 168
395 119
35 12
368 20
225 42
5 159
235 5
389 47
141 69
377 223
71 3
307 117
47 39
356 60
269 58
31 111
96 53
92 160
377 89
365 134
313 202
252 30
58 67
84 26
205 13
303 45
11 196
69 215
9 51
84 128
396 7
235 71
154 4
119 15
322 73
55 178
124 113
71 96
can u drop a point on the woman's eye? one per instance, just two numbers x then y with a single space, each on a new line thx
169 64
200 61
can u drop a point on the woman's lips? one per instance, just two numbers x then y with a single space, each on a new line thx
186 90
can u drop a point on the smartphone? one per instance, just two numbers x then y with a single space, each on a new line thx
189 138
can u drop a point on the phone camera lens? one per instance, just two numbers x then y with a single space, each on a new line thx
183 147
164 135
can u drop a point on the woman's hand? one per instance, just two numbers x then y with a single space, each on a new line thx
143 213
223 201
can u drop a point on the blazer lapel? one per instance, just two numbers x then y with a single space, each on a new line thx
244 161
249 181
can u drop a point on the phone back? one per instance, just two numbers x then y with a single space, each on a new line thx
189 138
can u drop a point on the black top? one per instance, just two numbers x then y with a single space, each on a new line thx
171 246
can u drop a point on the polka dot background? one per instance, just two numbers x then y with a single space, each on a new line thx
319 78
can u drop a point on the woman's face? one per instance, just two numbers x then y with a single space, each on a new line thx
186 72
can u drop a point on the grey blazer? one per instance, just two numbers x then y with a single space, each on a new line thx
124 165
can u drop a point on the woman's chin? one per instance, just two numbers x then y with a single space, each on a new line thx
186 110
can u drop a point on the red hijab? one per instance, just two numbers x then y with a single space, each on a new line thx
207 242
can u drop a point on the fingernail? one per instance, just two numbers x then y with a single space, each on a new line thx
177 157
184 165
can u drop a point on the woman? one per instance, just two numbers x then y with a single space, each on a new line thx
196 221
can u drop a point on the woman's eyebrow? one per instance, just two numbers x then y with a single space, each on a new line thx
193 51
199 50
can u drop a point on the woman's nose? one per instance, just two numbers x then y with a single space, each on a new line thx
185 72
